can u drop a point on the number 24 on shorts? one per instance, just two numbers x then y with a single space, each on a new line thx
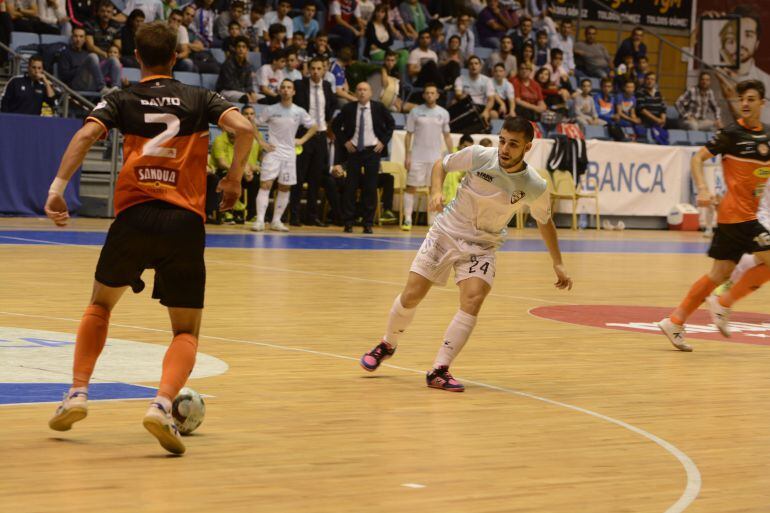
475 262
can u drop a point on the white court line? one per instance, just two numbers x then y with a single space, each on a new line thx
52 243
689 494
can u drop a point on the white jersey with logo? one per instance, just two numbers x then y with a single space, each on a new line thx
428 126
488 197
282 123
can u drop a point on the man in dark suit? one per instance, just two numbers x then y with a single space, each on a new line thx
363 130
315 95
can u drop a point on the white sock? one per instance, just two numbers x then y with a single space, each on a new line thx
263 198
709 218
281 202
163 401
456 336
408 207
747 262
399 319
77 389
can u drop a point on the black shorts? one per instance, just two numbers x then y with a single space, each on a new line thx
157 235
731 241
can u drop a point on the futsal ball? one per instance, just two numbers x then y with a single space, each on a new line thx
188 410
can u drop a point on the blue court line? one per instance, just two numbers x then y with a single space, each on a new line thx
24 393
357 242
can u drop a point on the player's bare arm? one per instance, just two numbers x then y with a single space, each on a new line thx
55 206
551 239
437 186
305 138
704 198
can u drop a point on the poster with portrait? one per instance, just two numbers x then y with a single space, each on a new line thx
720 41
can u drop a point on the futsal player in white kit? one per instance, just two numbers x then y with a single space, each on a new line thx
280 160
465 237
427 124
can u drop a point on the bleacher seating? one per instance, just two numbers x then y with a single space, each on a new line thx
483 53
23 38
698 137
133 75
209 81
255 59
678 137
189 78
497 125
596 132
48 39
219 54
400 119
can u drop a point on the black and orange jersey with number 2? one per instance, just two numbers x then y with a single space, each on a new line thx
165 126
746 167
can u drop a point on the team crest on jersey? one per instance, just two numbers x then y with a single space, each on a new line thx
517 196
157 176
763 149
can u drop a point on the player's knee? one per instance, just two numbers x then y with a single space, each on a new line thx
471 302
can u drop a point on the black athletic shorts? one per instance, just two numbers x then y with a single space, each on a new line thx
731 241
157 235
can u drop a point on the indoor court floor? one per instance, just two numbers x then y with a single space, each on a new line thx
574 403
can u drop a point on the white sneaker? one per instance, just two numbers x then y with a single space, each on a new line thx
74 407
708 233
258 226
675 333
621 226
407 226
720 315
278 226
607 225
161 425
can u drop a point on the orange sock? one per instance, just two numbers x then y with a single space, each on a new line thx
749 282
694 298
177 364
92 334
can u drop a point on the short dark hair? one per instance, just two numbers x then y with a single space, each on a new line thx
156 43
233 24
556 52
455 36
430 84
298 33
567 21
756 85
469 59
287 80
637 29
237 3
390 53
177 12
643 57
541 33
36 58
466 138
605 80
584 81
519 125
498 65
315 59
278 54
702 74
247 106
423 31
525 18
275 29
78 28
748 11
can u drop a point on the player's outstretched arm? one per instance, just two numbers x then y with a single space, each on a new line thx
437 186
230 185
55 206
551 239
305 138
704 198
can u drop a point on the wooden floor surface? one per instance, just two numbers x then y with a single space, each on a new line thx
556 418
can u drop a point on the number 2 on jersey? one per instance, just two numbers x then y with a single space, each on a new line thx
153 148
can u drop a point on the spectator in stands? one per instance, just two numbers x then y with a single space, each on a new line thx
625 108
306 23
529 97
82 71
25 94
698 107
395 20
451 60
650 105
437 37
478 87
378 37
281 15
275 42
551 93
642 68
269 78
592 58
542 49
101 34
222 22
537 8
345 20
203 59
390 83
316 96
422 64
505 98
183 60
54 13
632 46
152 9
234 82
585 106
605 103
467 37
626 72
559 74
564 41
527 55
233 34
292 71
255 28
204 22
25 17
523 35
82 11
493 23
505 55
127 42
337 69
415 16
320 47
364 128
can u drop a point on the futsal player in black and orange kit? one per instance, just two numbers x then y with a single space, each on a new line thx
745 150
160 216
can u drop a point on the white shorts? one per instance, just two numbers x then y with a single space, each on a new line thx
275 166
419 174
440 252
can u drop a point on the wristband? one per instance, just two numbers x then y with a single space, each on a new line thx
58 186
